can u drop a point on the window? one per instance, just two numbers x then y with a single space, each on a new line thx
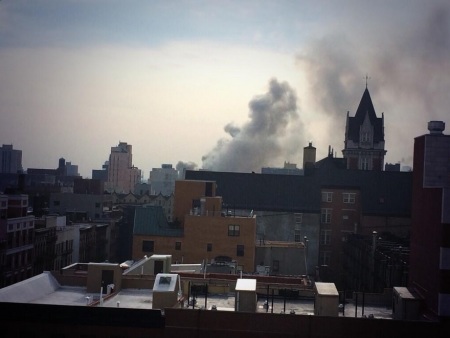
327 196
348 197
365 136
177 245
325 237
97 205
233 230
209 247
364 163
325 258
298 219
56 203
298 224
148 246
240 250
297 236
325 215
275 266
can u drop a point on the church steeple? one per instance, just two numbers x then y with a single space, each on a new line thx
364 137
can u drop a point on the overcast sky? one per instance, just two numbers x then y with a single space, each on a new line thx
223 85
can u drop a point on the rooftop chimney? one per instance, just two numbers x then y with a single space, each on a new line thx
309 156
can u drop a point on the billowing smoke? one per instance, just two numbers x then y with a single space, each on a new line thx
408 63
271 136
181 167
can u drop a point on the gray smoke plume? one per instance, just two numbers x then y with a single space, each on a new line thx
181 167
408 63
271 136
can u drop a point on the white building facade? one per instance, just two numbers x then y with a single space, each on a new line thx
162 180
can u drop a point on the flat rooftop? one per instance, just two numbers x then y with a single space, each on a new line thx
44 289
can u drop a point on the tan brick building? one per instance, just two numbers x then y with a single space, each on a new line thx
202 231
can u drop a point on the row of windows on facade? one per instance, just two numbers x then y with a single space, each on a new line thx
324 256
17 276
149 246
347 197
19 238
23 203
17 260
20 225
64 247
57 203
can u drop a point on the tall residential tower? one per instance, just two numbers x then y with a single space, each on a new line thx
10 159
122 175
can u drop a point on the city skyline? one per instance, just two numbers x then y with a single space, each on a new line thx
221 85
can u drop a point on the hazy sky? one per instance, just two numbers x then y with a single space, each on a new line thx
223 85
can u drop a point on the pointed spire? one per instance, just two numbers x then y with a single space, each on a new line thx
367 78
365 107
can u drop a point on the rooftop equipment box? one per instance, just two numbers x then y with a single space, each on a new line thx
326 301
165 290
405 304
246 297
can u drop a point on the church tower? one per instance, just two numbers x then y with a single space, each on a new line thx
364 137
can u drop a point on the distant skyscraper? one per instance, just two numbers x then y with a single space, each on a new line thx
364 137
162 180
122 175
10 159
71 169
61 171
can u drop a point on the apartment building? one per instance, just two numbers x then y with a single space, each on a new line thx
202 231
162 180
16 239
122 175
430 234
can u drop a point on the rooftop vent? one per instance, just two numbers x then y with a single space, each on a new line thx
436 127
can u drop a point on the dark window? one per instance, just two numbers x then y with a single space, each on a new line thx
240 250
208 189
148 246
177 245
56 203
276 266
233 230
209 247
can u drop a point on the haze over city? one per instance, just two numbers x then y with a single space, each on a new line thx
221 85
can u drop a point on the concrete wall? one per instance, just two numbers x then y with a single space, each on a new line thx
52 320
188 323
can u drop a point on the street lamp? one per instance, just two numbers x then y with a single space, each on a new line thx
305 243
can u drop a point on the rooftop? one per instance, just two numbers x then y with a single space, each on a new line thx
45 289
